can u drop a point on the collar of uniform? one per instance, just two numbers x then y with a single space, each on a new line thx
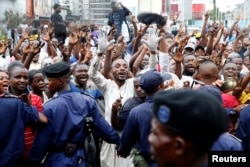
63 92
149 99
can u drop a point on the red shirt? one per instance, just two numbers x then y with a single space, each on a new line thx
29 134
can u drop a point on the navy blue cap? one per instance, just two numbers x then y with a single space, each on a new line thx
195 115
150 80
57 70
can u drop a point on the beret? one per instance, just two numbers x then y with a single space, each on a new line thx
150 80
57 70
195 115
56 5
149 18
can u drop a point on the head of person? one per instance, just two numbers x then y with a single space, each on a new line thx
235 57
246 42
115 6
4 81
36 58
208 72
36 81
57 8
169 40
229 49
92 26
239 46
138 89
199 51
54 41
80 73
57 77
19 78
188 64
229 71
183 130
189 49
119 70
47 61
246 60
151 81
145 61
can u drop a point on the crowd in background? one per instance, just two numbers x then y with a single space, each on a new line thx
121 69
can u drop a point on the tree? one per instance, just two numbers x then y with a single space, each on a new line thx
13 19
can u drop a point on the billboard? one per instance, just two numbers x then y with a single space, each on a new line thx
198 11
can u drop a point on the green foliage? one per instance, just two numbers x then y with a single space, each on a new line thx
3 35
13 19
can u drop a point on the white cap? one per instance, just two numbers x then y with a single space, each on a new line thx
189 45
192 40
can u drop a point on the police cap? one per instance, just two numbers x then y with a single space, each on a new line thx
57 70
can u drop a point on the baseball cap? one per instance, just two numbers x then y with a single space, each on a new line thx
189 45
150 80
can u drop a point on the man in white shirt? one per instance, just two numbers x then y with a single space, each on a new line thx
120 87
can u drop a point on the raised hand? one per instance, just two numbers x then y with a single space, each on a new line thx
103 42
26 33
26 49
153 40
110 48
133 19
237 19
178 57
65 52
51 29
73 38
3 47
46 36
223 46
36 47
206 15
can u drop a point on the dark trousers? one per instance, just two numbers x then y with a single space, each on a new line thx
60 37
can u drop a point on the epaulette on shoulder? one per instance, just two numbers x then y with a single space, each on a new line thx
236 138
87 94
7 95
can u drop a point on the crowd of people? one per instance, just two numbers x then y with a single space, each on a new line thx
154 98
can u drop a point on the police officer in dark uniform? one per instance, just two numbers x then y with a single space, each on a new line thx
63 137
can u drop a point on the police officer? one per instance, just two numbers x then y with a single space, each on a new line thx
63 137
184 127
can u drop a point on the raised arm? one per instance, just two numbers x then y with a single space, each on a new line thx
35 49
25 36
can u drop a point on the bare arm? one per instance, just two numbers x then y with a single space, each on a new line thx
218 37
138 60
107 63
